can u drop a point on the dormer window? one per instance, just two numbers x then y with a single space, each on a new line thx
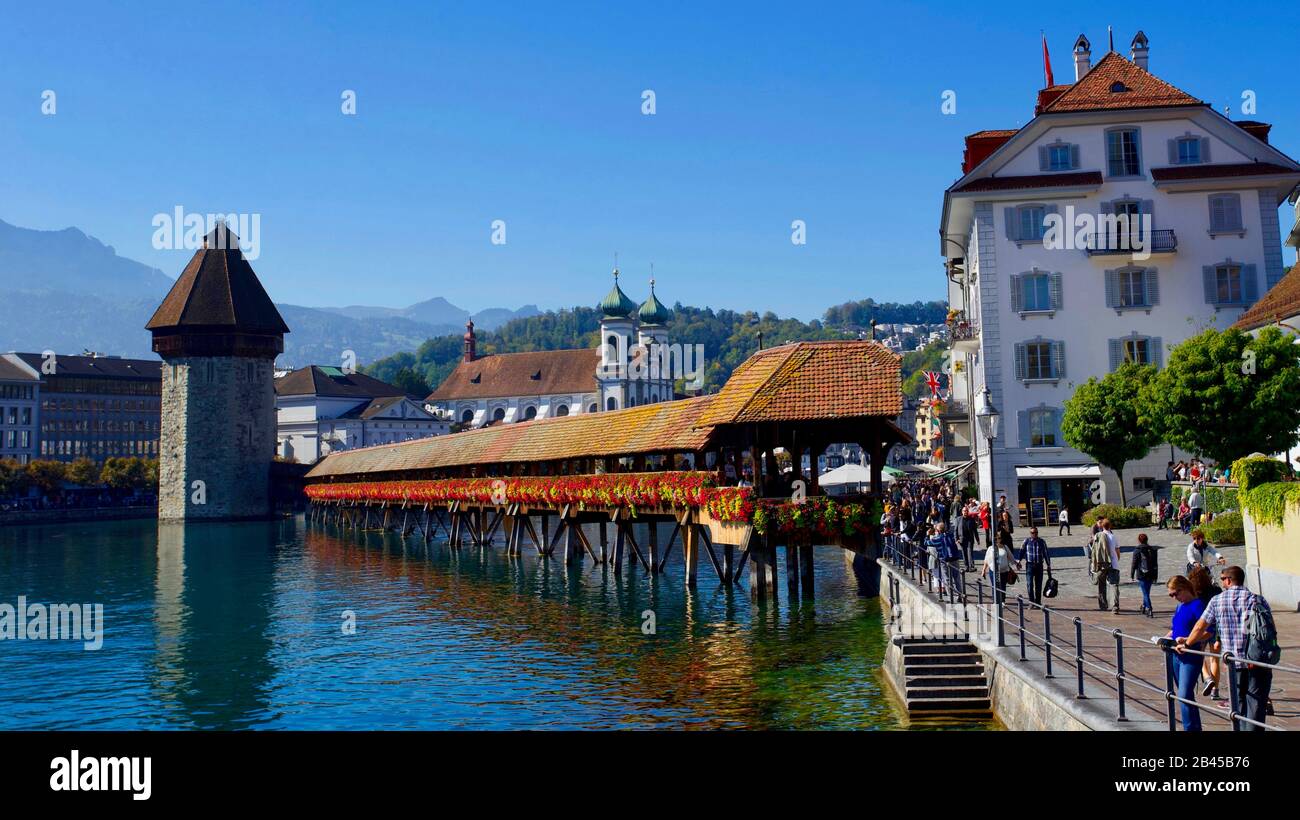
536 376
478 379
1118 87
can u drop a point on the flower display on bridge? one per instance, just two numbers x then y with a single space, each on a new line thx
818 515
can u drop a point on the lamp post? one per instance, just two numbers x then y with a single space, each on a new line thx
988 418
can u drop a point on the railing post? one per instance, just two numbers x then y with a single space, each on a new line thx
1230 662
999 600
1119 670
1078 654
1020 605
1047 639
1170 688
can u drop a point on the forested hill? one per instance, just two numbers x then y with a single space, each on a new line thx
728 337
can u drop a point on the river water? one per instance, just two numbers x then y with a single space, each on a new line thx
284 626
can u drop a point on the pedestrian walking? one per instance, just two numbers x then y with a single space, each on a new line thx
1145 570
1104 565
1187 667
1034 559
1063 522
1245 626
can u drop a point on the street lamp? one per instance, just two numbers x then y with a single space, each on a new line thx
988 418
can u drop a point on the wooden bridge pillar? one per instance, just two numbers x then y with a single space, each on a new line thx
652 544
806 569
792 568
690 553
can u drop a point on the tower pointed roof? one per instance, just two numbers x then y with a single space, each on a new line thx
616 303
652 311
218 290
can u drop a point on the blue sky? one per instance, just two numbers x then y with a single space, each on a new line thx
531 113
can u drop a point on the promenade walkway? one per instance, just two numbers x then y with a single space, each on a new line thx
1145 706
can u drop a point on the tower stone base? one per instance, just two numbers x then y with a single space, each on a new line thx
217 438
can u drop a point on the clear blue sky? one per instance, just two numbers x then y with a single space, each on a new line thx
531 113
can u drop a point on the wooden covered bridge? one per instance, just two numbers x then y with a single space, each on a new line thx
677 463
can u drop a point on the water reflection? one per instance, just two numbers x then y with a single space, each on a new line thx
241 625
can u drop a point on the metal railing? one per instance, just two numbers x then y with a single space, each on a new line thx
991 602
1121 242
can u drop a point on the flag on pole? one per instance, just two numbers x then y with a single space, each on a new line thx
1047 66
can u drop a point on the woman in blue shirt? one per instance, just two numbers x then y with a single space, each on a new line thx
1187 668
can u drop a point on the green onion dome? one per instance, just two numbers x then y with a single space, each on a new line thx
653 312
616 303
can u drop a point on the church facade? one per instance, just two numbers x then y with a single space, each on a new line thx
622 372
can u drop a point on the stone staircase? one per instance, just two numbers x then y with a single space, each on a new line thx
944 677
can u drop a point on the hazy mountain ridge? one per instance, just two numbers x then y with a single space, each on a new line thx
68 292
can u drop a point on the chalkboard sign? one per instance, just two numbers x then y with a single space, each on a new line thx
1038 511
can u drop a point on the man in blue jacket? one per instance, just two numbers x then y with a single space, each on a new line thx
1034 557
950 556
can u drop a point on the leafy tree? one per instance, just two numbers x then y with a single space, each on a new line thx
125 473
83 472
13 478
1107 419
47 476
1226 394
411 382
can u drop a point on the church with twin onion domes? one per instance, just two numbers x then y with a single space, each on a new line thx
505 388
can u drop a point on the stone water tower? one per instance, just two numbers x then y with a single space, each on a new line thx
218 334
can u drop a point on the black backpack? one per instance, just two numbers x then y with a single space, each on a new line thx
1261 635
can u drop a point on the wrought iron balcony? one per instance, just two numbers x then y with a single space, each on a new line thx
1118 242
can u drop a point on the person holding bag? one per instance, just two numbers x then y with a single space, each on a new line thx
997 565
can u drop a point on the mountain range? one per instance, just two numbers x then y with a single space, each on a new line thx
68 292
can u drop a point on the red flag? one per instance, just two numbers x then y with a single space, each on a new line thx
1047 65
932 382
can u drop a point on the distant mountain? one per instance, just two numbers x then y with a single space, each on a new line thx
438 311
68 292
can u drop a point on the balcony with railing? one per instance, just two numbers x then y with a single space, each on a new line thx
1107 243
965 334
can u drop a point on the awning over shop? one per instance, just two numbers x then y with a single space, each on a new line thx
1060 471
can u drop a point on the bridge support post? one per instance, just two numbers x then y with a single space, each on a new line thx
728 564
806 569
792 568
652 544
604 543
690 552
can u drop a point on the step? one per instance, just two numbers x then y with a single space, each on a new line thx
946 692
945 680
967 658
982 705
938 670
937 648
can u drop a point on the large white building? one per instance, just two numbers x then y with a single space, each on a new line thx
513 387
321 410
1045 311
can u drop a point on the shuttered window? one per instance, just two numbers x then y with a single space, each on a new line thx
1225 213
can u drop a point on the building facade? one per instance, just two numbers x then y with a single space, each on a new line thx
91 406
634 365
20 393
1124 217
218 334
321 410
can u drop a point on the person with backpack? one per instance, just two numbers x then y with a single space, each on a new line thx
1245 626
1145 570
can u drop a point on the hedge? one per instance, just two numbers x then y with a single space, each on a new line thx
1253 470
1121 518
1226 528
1214 499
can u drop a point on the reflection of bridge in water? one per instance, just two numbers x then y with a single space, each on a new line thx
798 398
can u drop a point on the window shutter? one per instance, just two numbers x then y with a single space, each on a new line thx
1013 223
1055 283
1112 288
1116 354
1233 211
1173 152
1156 351
1151 283
1021 364
1249 284
1147 209
1058 360
1058 440
1022 421
1017 294
1217 215
1044 158
1207 277
1205 149
1074 156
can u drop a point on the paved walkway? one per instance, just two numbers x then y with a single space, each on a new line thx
1077 598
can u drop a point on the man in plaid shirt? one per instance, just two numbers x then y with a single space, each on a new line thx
1227 613
1033 556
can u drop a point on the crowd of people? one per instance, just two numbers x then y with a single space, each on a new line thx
928 523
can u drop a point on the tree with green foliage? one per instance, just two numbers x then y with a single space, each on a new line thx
1106 419
47 476
125 473
1226 394
83 472
411 383
13 478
